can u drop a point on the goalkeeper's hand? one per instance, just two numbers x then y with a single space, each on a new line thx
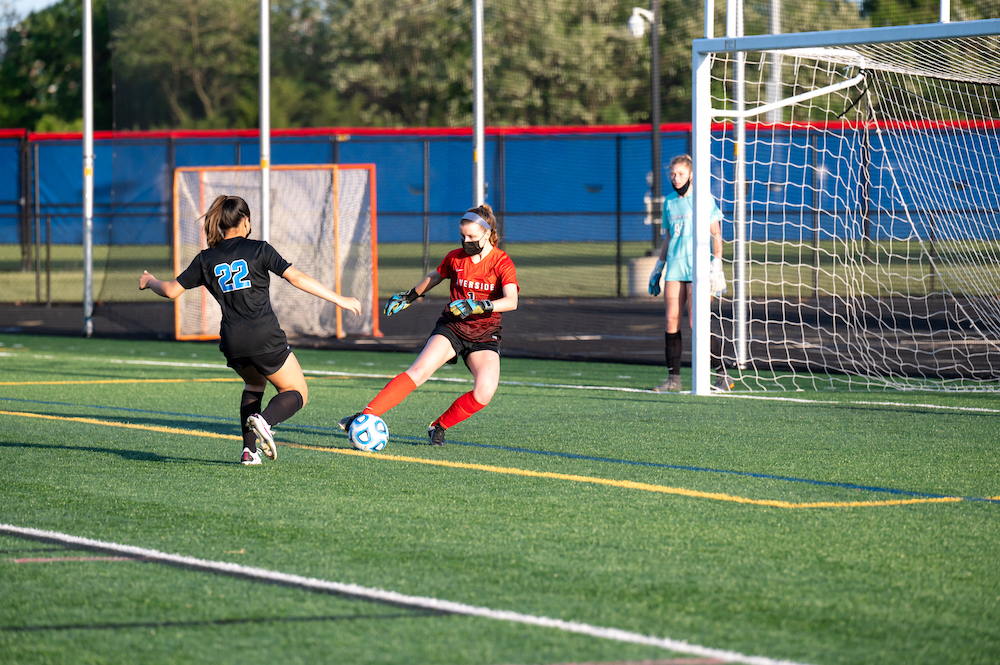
400 301
466 308
717 278
654 279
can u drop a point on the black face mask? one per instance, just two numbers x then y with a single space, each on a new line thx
472 248
683 189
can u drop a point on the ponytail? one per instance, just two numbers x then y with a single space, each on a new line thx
226 212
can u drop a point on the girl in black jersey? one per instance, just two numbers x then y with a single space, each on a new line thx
235 271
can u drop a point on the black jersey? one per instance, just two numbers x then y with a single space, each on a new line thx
236 273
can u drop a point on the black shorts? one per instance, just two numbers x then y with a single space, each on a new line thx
464 347
265 363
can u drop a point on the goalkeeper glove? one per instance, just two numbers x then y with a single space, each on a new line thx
654 279
466 308
400 301
717 278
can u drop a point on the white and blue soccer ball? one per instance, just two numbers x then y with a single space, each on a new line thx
368 432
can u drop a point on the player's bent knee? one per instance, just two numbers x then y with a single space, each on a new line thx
483 396
418 375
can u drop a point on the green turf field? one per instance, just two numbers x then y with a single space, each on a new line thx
839 528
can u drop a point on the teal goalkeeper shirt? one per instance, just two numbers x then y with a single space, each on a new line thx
678 213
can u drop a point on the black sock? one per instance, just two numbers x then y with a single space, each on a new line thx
673 344
249 405
282 407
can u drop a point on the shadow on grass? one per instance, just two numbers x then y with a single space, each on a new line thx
219 622
131 455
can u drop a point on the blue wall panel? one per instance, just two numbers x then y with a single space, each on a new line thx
549 187
10 190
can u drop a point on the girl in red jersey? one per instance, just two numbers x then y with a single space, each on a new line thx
483 284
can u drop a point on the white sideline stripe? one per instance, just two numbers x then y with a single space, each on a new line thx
569 386
313 583
971 409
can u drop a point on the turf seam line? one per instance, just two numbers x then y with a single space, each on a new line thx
624 484
391 597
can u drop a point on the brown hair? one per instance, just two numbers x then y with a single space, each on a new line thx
486 212
226 212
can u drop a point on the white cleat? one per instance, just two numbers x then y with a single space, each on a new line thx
249 458
265 439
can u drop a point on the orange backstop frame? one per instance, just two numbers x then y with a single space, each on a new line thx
334 169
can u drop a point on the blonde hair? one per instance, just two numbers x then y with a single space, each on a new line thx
682 159
226 212
486 212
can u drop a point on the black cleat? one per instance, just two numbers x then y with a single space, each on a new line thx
345 423
436 434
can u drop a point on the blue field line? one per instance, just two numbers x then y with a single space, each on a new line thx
549 453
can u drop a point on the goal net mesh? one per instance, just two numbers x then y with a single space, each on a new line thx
868 252
322 222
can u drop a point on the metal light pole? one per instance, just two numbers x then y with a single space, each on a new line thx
478 122
265 121
637 27
88 169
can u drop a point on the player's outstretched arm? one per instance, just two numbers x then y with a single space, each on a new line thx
400 301
169 289
311 285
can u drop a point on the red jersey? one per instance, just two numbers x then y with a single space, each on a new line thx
480 281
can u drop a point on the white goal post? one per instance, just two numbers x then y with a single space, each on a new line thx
322 220
864 206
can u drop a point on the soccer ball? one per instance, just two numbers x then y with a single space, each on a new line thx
368 432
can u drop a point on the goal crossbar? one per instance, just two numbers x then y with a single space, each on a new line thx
834 38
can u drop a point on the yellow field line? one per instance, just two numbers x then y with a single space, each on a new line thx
109 423
105 381
626 484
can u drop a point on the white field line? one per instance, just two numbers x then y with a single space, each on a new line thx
380 595
970 409
566 386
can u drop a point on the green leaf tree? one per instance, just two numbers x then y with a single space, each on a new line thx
183 63
41 72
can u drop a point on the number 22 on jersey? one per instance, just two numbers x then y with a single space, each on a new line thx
233 276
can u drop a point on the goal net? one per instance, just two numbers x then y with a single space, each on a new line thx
322 221
861 185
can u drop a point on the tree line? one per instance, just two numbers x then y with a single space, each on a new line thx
194 63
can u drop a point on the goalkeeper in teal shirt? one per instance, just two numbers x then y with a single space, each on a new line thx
676 255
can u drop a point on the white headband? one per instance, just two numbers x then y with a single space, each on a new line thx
473 217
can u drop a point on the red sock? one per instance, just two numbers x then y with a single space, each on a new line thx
394 392
461 408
